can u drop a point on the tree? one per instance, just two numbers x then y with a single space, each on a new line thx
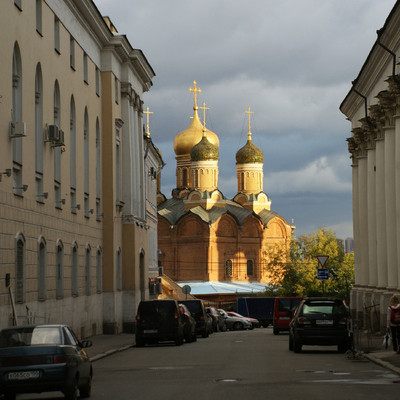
293 271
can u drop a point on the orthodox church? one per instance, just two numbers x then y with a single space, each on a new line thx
203 236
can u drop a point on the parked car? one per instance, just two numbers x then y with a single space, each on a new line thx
234 323
322 322
253 322
189 324
284 308
218 320
44 358
198 311
158 321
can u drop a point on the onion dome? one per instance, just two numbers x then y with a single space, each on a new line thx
249 154
187 139
204 150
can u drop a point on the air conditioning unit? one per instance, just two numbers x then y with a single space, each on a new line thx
158 285
60 140
53 133
17 129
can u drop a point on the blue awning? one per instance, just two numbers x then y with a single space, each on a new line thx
215 287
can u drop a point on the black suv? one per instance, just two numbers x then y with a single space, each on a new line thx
320 321
159 320
198 311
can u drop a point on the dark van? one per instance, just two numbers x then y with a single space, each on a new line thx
283 312
198 311
157 321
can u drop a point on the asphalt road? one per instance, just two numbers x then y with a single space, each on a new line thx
238 365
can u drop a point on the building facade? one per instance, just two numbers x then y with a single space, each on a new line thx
372 106
74 238
201 234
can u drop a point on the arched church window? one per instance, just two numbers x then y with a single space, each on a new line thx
228 267
249 267
184 177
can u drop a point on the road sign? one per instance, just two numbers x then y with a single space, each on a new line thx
322 260
186 289
322 274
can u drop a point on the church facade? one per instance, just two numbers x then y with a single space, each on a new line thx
201 234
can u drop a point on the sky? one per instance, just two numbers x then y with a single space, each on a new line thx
291 61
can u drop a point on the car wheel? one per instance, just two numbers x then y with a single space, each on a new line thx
343 347
237 326
290 342
251 327
179 340
140 342
224 328
10 396
86 390
276 331
297 345
71 392
204 334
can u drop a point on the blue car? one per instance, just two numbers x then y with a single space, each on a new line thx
44 358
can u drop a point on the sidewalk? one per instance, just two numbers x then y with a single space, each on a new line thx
105 345
371 347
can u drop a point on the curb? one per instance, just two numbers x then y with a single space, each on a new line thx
110 352
382 363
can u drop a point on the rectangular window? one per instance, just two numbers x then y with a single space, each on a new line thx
85 68
118 170
97 81
72 52
57 35
116 90
39 16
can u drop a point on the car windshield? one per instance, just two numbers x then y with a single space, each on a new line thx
326 308
160 307
30 336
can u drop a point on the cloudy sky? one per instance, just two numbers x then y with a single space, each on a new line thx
291 61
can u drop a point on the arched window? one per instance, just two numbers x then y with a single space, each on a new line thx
74 271
184 178
20 269
60 270
99 270
88 270
249 267
98 171
228 267
39 133
72 155
57 149
17 118
86 162
42 269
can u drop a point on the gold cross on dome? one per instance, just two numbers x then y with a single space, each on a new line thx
195 90
147 125
249 112
204 108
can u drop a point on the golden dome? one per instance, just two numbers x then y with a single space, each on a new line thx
187 139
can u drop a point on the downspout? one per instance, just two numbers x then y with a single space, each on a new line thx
388 50
361 95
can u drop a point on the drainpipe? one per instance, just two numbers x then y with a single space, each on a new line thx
388 50
361 95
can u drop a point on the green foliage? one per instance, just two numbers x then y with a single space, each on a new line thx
294 272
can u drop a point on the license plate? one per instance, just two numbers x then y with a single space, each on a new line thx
150 331
20 376
324 322
284 318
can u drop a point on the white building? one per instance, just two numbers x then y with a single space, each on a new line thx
372 106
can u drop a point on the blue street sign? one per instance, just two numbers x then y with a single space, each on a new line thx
322 274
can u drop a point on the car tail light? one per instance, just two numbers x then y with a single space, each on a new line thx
303 321
176 317
138 318
60 359
343 321
202 318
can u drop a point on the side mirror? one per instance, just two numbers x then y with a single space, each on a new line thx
85 343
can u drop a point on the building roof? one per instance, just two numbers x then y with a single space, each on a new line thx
173 209
214 287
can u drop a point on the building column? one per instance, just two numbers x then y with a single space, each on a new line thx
381 215
397 190
371 188
390 201
363 220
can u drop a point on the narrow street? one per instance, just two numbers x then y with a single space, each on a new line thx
240 365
